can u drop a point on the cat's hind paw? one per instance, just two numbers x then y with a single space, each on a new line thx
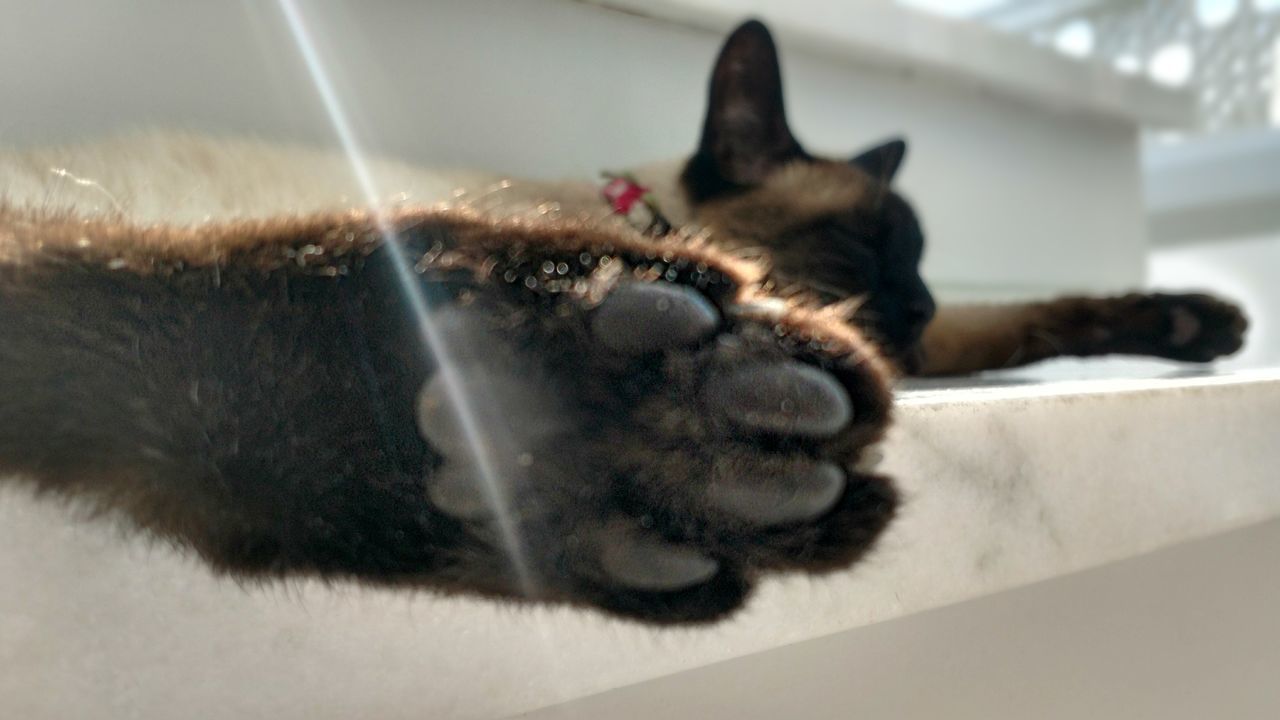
652 449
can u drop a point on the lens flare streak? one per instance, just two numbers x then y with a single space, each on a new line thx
447 368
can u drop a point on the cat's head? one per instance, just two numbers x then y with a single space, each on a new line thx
834 227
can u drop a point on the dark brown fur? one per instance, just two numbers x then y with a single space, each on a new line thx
247 391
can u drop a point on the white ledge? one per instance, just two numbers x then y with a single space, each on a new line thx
910 42
1004 485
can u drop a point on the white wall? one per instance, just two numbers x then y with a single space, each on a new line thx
1013 195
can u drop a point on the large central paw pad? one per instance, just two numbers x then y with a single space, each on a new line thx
654 450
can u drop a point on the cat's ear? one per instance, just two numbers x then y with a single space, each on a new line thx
882 161
745 134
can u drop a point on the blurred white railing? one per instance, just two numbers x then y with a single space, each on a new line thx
1225 51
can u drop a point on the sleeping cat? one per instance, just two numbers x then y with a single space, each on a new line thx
753 182
517 394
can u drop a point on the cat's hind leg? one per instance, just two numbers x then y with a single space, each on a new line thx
536 409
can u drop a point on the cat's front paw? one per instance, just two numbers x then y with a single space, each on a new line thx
1189 327
651 451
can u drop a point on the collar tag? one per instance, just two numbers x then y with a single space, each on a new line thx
635 202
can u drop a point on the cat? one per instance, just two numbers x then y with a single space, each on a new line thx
752 180
659 420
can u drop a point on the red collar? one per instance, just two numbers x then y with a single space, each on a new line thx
628 198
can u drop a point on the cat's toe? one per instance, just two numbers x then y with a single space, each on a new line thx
651 564
840 537
639 318
457 490
800 493
781 398
710 598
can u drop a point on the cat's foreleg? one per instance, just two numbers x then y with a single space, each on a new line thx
1188 327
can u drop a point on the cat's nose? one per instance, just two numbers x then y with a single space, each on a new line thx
919 312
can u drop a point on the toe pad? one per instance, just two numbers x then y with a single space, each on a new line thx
653 565
640 318
787 398
808 493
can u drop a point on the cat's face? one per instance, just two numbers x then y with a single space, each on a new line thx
835 228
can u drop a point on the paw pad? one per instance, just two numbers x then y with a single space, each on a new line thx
641 318
678 443
810 491
788 398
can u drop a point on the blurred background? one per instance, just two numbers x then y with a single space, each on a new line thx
1057 145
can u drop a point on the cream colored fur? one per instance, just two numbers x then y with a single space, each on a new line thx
185 178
